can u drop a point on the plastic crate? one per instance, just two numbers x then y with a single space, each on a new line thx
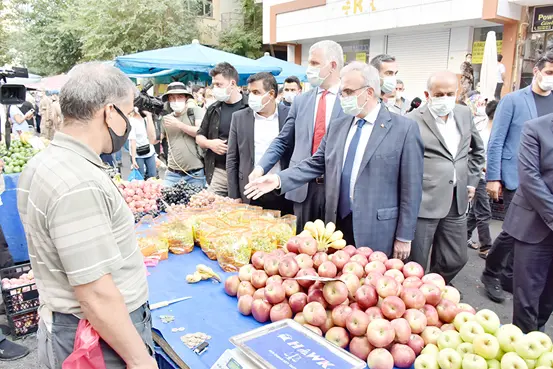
24 323
21 298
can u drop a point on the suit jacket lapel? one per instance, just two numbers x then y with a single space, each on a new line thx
433 126
531 102
310 112
336 109
380 129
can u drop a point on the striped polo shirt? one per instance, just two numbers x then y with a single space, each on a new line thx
78 228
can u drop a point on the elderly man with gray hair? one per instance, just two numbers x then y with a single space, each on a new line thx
86 261
373 163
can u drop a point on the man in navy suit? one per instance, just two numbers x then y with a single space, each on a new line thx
513 111
530 222
373 165
306 125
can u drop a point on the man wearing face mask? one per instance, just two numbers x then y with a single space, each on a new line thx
373 162
310 116
399 104
79 230
252 131
184 160
214 131
292 88
453 160
513 111
387 69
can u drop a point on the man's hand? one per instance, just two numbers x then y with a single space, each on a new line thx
402 250
494 189
471 192
134 164
255 174
171 122
261 186
218 146
148 364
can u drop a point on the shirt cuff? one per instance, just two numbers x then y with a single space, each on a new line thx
471 187
403 240
279 183
261 168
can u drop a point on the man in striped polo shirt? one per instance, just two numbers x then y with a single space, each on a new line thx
79 230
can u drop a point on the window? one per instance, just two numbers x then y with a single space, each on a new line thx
202 8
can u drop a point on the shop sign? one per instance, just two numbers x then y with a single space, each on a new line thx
543 19
478 50
361 57
351 7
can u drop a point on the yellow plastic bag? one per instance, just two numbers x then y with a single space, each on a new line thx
177 230
233 250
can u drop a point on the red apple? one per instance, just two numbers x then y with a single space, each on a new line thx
372 277
374 313
315 286
258 259
261 310
293 254
338 336
380 358
378 256
245 305
360 347
340 258
314 329
416 319
375 266
314 314
304 261
403 355
293 244
274 279
432 318
319 258
327 269
412 282
300 318
447 327
259 294
335 293
432 293
274 293
386 286
352 281
357 323
308 246
416 343
297 302
431 334
309 272
393 307
259 278
380 333
355 268
466 307
394 264
355 306
350 250
288 267
395 274
447 310
291 287
413 298
365 251
271 265
231 285
412 269
360 259
366 297
280 312
452 294
329 323
402 330
245 273
317 296
245 288
340 314
435 279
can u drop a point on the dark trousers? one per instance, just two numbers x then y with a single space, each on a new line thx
6 259
313 207
533 284
346 226
480 215
272 201
443 241
498 89
499 263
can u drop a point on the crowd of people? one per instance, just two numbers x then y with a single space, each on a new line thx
410 178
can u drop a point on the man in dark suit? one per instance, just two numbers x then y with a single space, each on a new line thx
530 221
453 161
251 132
373 163
514 110
309 118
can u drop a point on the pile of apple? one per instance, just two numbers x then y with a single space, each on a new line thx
381 309
477 341
141 196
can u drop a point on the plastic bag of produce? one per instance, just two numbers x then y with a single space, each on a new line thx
260 242
280 232
149 238
87 353
177 230
292 221
135 176
233 250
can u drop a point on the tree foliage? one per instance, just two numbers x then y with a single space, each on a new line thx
245 38
4 57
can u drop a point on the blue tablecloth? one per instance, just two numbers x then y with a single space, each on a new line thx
210 310
10 221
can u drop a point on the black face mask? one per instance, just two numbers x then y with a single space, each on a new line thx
117 142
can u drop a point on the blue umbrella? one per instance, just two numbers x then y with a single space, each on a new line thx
288 69
192 61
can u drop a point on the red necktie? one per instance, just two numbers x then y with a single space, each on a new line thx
320 123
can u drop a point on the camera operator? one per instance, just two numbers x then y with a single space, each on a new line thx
184 159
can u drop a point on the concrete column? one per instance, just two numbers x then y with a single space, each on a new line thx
460 43
291 53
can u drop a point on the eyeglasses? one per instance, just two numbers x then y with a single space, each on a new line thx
348 92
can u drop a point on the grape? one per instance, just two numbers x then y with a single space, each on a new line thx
179 194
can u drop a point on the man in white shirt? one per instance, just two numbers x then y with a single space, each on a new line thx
500 77
251 132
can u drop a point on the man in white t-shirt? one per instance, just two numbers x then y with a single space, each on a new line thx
500 77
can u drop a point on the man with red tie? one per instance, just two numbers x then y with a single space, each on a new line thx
305 127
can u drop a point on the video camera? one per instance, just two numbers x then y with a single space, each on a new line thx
149 103
12 94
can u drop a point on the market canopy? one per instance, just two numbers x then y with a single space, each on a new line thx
50 84
192 62
288 69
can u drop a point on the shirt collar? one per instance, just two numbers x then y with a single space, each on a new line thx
270 117
439 119
333 90
372 116
68 142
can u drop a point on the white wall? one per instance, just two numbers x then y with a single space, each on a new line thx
460 44
377 46
508 9
267 16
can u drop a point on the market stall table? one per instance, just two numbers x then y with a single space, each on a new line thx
11 222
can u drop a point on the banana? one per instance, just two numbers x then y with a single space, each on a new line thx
329 230
194 278
207 273
320 229
305 233
338 244
338 235
311 228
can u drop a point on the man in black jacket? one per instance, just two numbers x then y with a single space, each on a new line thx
214 132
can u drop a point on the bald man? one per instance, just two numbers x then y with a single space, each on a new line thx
453 160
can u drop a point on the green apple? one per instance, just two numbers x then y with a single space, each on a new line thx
493 364
426 361
512 361
470 330
543 367
449 339
488 320
486 345
465 348
529 347
546 359
507 335
531 364
472 361
462 318
448 358
431 349
543 339
500 355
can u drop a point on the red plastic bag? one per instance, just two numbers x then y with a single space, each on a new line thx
87 353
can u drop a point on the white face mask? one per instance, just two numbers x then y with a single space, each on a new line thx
442 106
314 76
178 106
389 84
398 96
290 96
221 93
546 82
255 102
350 105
